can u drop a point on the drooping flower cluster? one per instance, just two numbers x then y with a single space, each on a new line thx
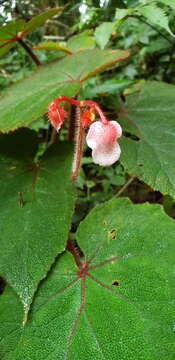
102 135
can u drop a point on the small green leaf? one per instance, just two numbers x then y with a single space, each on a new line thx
149 114
6 47
40 19
121 308
51 45
170 3
120 14
108 87
81 42
37 201
103 33
8 33
28 99
155 15
11 29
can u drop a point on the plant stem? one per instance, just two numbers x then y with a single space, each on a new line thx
53 136
72 123
78 146
71 248
29 51
125 186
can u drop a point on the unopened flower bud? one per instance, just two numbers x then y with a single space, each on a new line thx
56 114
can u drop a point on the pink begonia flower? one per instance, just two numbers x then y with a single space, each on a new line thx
102 139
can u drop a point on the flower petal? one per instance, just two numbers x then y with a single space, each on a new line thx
102 139
102 157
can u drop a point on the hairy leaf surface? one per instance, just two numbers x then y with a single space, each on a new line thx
149 115
121 307
36 209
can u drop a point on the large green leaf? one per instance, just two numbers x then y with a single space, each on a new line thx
25 101
149 114
134 247
36 208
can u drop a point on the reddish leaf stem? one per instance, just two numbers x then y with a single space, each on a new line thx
104 262
71 248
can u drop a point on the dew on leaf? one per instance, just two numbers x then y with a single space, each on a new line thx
127 256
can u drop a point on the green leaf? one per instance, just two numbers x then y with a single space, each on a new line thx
156 16
132 321
51 45
81 42
11 29
39 20
6 47
170 3
103 33
27 100
149 115
120 14
37 201
9 32
108 87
